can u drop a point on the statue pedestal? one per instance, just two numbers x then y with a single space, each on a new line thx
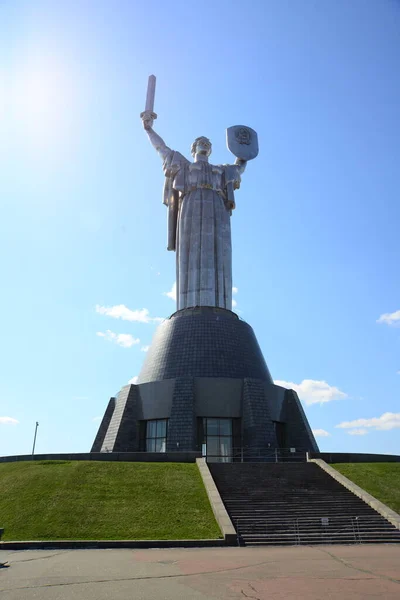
205 381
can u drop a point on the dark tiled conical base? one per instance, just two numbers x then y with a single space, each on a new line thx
204 342
205 362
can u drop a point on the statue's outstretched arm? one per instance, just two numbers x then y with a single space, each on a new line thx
156 141
239 162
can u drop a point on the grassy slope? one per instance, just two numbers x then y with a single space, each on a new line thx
382 480
49 500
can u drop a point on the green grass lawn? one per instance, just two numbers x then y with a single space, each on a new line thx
382 480
50 500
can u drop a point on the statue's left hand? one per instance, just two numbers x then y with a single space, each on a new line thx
241 163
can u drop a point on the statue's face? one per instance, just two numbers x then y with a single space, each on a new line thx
203 146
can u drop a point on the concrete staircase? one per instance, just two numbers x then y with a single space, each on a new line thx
296 504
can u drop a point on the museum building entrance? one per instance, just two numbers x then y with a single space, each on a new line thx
217 437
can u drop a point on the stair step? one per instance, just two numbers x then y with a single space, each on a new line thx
311 538
313 543
287 504
297 514
318 530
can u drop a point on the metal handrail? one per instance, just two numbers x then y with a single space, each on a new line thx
259 454
328 529
325 532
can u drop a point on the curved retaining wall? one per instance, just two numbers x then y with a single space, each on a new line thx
350 457
182 457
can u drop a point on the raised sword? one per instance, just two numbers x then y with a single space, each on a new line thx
148 114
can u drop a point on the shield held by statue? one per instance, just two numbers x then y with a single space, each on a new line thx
242 141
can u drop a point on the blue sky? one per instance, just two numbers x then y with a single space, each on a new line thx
315 233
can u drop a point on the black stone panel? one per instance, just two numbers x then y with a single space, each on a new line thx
204 342
122 434
99 439
182 422
298 431
257 427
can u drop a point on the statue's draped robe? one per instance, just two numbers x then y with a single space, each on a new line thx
199 197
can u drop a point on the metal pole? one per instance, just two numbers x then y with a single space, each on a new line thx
34 439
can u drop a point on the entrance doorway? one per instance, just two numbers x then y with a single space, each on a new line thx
217 435
280 432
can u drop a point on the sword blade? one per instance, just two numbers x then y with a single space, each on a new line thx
151 92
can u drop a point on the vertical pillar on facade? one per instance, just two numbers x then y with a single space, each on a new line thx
182 422
99 439
257 426
298 430
122 433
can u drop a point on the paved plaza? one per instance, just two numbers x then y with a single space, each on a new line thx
312 573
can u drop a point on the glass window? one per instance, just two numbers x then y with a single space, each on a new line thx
160 444
226 449
161 428
225 426
213 447
150 445
212 426
151 429
156 435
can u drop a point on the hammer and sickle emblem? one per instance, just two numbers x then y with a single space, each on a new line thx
243 136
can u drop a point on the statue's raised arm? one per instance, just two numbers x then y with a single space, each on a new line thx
156 141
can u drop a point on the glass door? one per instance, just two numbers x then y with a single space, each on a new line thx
218 439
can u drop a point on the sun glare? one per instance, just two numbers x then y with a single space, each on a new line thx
43 104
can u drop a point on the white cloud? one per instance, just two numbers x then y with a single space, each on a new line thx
234 292
398 372
120 311
133 380
126 340
314 392
145 348
172 293
320 433
8 421
385 422
357 431
390 318
96 419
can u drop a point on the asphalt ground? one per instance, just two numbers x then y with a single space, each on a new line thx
303 572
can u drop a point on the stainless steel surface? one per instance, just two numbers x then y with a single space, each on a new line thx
200 200
151 92
242 141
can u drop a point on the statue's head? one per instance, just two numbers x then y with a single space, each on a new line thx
201 145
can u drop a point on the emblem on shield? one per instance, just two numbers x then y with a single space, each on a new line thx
242 141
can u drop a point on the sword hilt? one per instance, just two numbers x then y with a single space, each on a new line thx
148 115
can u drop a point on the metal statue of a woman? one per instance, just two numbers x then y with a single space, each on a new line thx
200 200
